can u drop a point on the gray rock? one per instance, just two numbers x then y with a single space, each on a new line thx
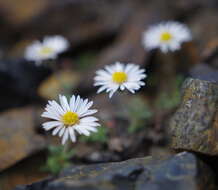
194 125
204 72
182 171
14 83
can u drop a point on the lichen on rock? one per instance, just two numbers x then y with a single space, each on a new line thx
194 125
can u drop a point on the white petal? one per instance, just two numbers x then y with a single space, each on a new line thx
51 110
122 87
49 115
61 132
72 102
111 93
84 131
64 103
82 107
88 119
91 124
77 102
89 128
89 112
55 131
65 137
72 134
51 124
101 89
57 107
77 128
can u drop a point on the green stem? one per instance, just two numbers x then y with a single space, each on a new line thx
66 147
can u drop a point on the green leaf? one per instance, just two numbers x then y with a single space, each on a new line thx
99 136
138 113
57 159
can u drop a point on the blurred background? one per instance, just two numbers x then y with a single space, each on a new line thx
100 32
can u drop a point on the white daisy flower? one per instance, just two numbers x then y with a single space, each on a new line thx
119 76
168 36
70 117
49 48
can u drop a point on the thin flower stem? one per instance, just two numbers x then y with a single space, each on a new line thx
66 147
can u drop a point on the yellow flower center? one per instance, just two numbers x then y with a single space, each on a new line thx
166 36
119 77
46 51
70 118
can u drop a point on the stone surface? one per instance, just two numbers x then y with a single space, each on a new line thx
19 79
16 14
194 125
25 172
18 138
183 171
14 75
204 72
199 22
62 82
87 22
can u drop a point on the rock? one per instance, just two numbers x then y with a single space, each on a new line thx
204 72
25 172
199 22
19 79
17 14
87 22
18 138
90 27
186 6
62 82
194 125
210 55
183 171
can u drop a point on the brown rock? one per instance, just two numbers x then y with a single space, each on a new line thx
210 53
194 125
59 83
25 10
17 136
205 20
25 172
88 19
81 21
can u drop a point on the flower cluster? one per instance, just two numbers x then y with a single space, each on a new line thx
74 116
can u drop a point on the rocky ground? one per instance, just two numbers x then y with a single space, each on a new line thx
192 129
181 171
175 112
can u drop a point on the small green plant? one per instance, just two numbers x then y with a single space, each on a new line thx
139 113
57 159
172 99
85 60
99 136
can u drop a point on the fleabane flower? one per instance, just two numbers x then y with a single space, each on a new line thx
119 76
168 36
70 117
49 48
